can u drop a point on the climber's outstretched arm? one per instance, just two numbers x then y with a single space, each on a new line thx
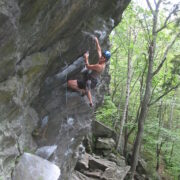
98 47
95 67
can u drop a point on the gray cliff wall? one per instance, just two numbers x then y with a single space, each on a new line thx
41 42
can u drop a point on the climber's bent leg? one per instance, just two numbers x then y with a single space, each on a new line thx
73 84
89 97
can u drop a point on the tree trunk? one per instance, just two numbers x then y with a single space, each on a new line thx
171 112
143 114
127 99
171 125
147 95
115 81
158 149
158 152
127 134
119 108
172 149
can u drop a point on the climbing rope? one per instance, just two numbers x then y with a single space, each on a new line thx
66 98
66 77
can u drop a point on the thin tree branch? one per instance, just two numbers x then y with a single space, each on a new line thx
142 79
115 90
122 43
134 126
155 2
160 66
147 26
150 7
115 50
158 4
165 54
153 92
165 93
146 29
135 83
132 52
167 18
134 40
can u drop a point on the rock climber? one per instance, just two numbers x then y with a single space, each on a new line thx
94 70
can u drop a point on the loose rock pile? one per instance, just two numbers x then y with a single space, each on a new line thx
104 164
95 167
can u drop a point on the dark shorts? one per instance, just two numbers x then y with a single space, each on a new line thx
87 84
81 84
93 83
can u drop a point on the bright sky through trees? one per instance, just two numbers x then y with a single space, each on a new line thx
143 3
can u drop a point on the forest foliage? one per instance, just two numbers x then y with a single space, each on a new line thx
130 39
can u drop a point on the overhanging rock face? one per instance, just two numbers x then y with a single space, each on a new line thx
41 42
